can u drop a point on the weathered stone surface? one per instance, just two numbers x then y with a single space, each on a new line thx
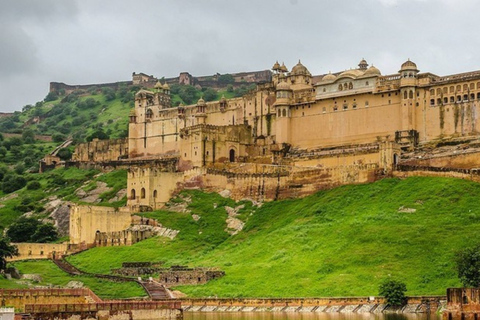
32 277
118 196
61 216
74 284
403 209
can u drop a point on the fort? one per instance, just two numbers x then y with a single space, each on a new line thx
295 134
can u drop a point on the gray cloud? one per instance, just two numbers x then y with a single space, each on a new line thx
91 41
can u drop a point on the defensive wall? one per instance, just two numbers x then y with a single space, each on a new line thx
57 86
40 251
85 221
462 303
18 298
101 151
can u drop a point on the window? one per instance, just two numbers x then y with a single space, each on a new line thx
335 108
410 94
432 92
284 113
232 155
366 83
324 110
142 193
405 95
465 87
345 107
366 103
354 106
445 100
439 101
452 99
149 114
459 98
452 89
155 193
132 194
432 102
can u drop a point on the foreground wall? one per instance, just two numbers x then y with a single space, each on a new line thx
40 251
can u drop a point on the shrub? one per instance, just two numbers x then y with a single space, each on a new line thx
468 266
393 291
12 182
33 185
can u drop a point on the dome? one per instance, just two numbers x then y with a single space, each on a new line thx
283 68
200 102
283 86
409 65
329 77
373 71
299 68
158 85
166 86
276 66
352 73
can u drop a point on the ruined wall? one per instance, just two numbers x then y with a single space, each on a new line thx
173 277
40 251
57 86
101 151
85 221
121 238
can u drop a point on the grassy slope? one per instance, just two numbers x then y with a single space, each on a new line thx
338 242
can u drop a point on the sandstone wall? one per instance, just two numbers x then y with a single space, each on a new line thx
101 151
85 221
40 250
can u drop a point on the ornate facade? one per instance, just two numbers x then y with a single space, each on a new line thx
296 134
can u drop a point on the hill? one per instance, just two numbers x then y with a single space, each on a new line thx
339 242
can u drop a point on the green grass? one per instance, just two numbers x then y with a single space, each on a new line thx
339 242
52 275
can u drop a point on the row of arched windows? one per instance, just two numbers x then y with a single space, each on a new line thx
133 194
345 86
457 88
457 99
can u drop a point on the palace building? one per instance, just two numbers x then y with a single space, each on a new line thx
295 134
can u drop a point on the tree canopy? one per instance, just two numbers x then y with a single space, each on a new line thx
468 266
7 250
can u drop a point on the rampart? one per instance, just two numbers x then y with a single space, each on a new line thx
101 151
18 298
178 275
57 86
85 221
40 251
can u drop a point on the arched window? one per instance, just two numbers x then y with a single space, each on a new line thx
439 91
439 101
232 154
445 100
149 114
155 193
445 90
459 88
345 86
284 112
452 89
340 87
432 92
452 99
279 113
142 193
465 87
132 194
410 94
350 86
472 86
405 95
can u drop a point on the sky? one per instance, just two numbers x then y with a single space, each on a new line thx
97 41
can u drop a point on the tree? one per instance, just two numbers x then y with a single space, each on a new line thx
45 233
12 182
98 134
210 94
226 78
393 291
28 136
51 96
64 154
188 94
22 229
468 266
7 250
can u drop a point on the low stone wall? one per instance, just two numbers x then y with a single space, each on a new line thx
21 297
424 304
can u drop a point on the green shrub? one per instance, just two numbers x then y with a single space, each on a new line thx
393 291
468 266
33 185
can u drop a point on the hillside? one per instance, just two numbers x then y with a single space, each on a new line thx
340 242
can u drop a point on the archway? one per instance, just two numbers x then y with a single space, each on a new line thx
132 194
142 193
232 155
395 159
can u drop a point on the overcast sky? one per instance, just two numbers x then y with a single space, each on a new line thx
95 41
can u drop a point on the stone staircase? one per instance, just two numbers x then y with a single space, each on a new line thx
67 267
155 290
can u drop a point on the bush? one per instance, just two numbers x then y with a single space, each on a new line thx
210 94
468 266
33 185
393 291
51 96
12 182
22 229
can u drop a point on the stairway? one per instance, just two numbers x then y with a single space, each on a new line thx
155 290
67 267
